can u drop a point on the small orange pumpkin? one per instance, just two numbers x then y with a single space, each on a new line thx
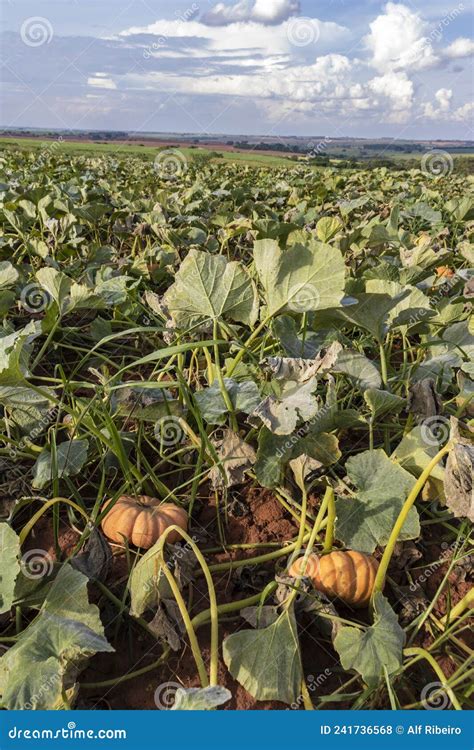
444 271
142 520
348 576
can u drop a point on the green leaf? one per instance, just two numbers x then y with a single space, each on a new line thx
43 664
245 397
282 415
71 457
382 402
207 288
372 649
8 274
327 228
267 662
361 371
301 277
200 699
14 354
147 583
382 487
9 566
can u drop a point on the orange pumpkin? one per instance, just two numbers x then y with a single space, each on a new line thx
444 271
142 520
348 576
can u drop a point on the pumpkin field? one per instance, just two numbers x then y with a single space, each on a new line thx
237 433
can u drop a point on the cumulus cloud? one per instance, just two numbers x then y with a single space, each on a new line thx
398 40
461 47
434 111
262 11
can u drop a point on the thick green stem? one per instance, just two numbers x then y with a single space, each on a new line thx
419 484
240 355
383 365
28 527
329 538
222 386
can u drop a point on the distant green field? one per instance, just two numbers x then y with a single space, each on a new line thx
89 147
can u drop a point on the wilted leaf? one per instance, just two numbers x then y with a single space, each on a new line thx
424 400
236 457
300 370
296 404
95 559
459 474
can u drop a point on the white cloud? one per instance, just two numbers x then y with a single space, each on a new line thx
100 82
398 90
441 108
398 40
261 11
461 47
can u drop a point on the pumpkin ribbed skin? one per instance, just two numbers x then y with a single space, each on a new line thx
142 520
348 576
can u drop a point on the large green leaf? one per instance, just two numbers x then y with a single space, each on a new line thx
9 566
382 486
245 397
267 662
301 277
42 667
70 458
372 649
14 354
208 287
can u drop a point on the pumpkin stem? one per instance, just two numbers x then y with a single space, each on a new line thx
388 552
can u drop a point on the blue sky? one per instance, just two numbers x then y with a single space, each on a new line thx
270 67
